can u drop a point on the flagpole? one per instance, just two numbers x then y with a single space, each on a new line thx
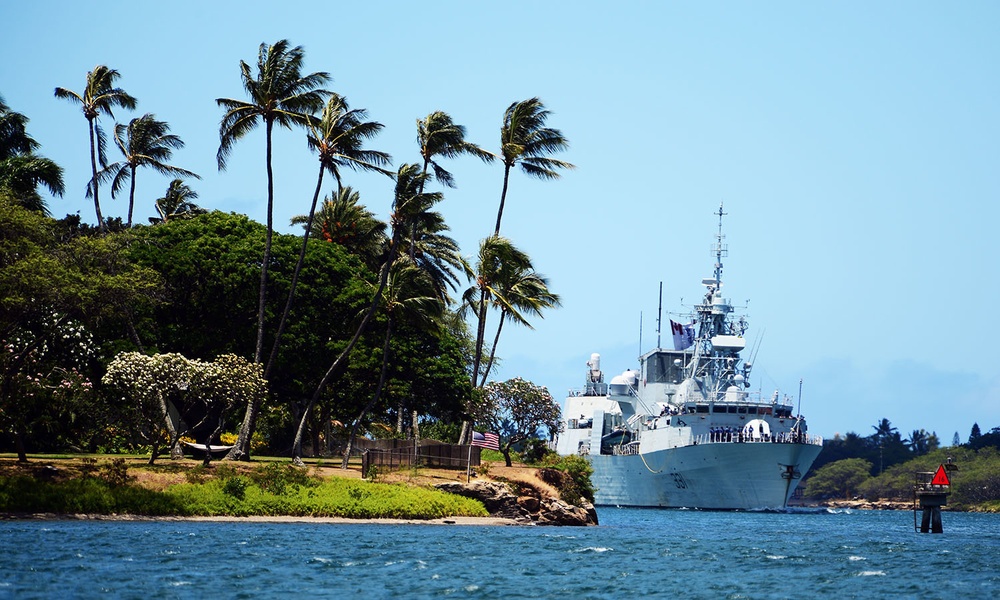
659 319
468 466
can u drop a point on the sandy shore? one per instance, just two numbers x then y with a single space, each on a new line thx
487 521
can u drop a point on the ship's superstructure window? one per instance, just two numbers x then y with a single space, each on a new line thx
666 367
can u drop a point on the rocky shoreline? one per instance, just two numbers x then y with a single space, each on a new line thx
881 504
530 507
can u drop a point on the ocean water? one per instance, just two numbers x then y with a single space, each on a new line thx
632 554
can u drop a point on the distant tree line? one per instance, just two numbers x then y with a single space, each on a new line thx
883 465
883 448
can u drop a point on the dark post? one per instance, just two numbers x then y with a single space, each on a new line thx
931 491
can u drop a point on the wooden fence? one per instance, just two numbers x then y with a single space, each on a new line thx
432 454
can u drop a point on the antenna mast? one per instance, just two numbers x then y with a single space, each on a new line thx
799 411
659 317
720 250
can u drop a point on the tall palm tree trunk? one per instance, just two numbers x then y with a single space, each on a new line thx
295 277
241 450
267 250
375 398
376 298
19 445
93 182
493 351
131 196
480 336
466 433
132 333
503 197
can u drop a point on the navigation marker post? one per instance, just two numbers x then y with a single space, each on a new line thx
930 491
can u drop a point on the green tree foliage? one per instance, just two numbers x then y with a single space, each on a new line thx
344 220
524 293
409 297
978 479
209 265
176 203
840 479
974 435
518 410
52 294
975 482
986 440
883 449
921 442
408 206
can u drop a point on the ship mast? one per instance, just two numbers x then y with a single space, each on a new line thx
720 250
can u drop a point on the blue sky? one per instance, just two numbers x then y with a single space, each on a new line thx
854 145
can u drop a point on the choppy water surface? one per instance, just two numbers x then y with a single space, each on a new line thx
634 553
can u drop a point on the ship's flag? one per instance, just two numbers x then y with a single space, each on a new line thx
683 334
487 440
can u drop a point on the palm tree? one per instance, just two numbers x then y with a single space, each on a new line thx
409 295
435 253
438 136
338 137
21 170
525 292
177 203
144 142
343 220
497 257
279 93
99 96
883 430
408 204
21 175
14 138
525 141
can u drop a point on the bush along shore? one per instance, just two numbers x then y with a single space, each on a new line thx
122 488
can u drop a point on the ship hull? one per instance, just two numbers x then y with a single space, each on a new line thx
720 476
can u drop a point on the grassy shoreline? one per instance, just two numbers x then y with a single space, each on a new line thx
115 486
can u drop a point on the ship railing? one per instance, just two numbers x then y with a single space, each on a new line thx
767 438
630 449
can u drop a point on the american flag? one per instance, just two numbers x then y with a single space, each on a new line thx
486 440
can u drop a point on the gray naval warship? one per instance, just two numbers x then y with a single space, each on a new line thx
685 430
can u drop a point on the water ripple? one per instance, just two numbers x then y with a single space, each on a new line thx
691 554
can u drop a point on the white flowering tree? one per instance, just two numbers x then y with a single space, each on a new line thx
517 409
166 389
42 380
